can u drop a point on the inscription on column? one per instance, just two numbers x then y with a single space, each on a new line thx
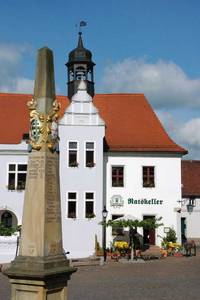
53 205
36 167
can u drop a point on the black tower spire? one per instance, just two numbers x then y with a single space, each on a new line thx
80 67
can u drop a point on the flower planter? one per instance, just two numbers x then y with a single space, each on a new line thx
178 254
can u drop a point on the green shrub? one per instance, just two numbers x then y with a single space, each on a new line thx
8 231
170 236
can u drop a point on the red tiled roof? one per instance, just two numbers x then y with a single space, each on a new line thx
131 124
190 170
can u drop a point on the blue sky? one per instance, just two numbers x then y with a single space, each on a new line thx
141 46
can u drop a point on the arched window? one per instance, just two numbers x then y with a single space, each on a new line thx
6 219
81 73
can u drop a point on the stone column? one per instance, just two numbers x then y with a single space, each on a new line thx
41 270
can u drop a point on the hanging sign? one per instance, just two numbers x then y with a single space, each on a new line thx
145 201
117 201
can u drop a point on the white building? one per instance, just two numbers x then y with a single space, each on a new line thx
190 204
113 151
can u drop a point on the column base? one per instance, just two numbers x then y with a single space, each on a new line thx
39 278
22 289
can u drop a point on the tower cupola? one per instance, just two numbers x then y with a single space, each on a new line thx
80 67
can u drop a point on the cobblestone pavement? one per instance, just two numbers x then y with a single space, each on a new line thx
170 278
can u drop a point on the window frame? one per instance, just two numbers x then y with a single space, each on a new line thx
89 200
149 184
117 166
16 186
72 200
76 164
93 164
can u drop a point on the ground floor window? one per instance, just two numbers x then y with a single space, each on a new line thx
6 219
71 205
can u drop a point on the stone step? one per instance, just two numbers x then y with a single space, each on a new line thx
152 252
79 262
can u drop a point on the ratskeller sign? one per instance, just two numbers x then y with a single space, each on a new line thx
153 201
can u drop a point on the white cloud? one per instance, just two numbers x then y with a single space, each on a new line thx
10 61
164 83
186 134
190 133
167 88
11 53
24 85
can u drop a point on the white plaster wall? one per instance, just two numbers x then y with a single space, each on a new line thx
167 188
11 200
8 247
192 219
79 234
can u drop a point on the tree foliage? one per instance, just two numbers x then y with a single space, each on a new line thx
151 223
170 236
8 231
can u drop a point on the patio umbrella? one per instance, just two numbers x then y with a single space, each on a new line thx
126 218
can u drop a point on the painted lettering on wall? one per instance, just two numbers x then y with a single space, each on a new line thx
145 201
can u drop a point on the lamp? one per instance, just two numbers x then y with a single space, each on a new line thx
104 215
190 205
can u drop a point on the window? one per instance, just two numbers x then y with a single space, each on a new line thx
89 205
117 176
71 205
17 176
73 150
81 73
89 154
117 230
6 219
148 177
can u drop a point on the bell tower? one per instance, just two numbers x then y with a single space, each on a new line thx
80 67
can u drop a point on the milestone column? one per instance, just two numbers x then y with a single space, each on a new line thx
41 270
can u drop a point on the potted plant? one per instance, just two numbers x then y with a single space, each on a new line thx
90 164
73 164
90 216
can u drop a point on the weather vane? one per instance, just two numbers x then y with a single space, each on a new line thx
81 24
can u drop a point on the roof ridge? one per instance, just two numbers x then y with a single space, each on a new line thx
25 94
59 95
124 94
16 94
